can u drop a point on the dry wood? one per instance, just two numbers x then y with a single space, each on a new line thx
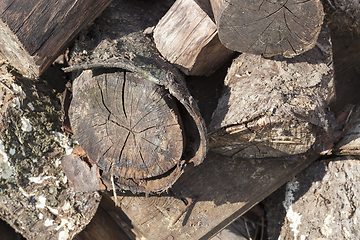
34 33
187 37
35 197
220 190
268 27
275 107
128 125
131 110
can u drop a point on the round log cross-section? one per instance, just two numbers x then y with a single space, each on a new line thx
269 27
128 125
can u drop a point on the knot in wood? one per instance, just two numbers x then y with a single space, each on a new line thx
128 125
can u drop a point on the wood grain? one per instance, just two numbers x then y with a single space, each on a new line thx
268 27
128 125
187 37
43 29
222 189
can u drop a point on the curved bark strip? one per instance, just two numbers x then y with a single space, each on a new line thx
129 126
144 124
268 27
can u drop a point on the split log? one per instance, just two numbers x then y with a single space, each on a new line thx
187 37
276 107
131 111
35 197
34 33
268 27
321 202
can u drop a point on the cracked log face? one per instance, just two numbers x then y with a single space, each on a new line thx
128 125
269 27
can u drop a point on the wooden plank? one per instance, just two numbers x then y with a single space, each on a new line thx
221 190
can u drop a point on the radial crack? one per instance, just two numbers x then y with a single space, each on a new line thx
123 95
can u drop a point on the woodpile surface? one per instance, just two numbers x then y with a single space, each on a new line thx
141 80
131 111
34 33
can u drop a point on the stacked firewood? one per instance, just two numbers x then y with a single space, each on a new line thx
136 122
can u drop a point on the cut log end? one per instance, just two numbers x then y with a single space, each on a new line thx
128 125
269 27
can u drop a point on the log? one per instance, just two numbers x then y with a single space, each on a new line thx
35 197
131 111
268 27
187 37
34 33
276 107
319 203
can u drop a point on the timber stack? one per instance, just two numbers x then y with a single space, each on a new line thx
130 109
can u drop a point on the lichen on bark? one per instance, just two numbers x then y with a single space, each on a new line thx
35 197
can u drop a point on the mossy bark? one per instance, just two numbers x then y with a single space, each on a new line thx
35 198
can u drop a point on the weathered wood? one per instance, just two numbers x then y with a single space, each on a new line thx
35 197
321 202
276 107
128 125
34 33
220 189
131 110
187 37
268 27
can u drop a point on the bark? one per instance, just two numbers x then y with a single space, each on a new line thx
131 93
319 203
35 197
276 107
34 33
268 27
187 37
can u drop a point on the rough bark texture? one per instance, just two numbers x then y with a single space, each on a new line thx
268 27
343 15
34 33
322 202
187 37
275 107
116 41
35 198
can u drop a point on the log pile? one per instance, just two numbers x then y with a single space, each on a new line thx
137 125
